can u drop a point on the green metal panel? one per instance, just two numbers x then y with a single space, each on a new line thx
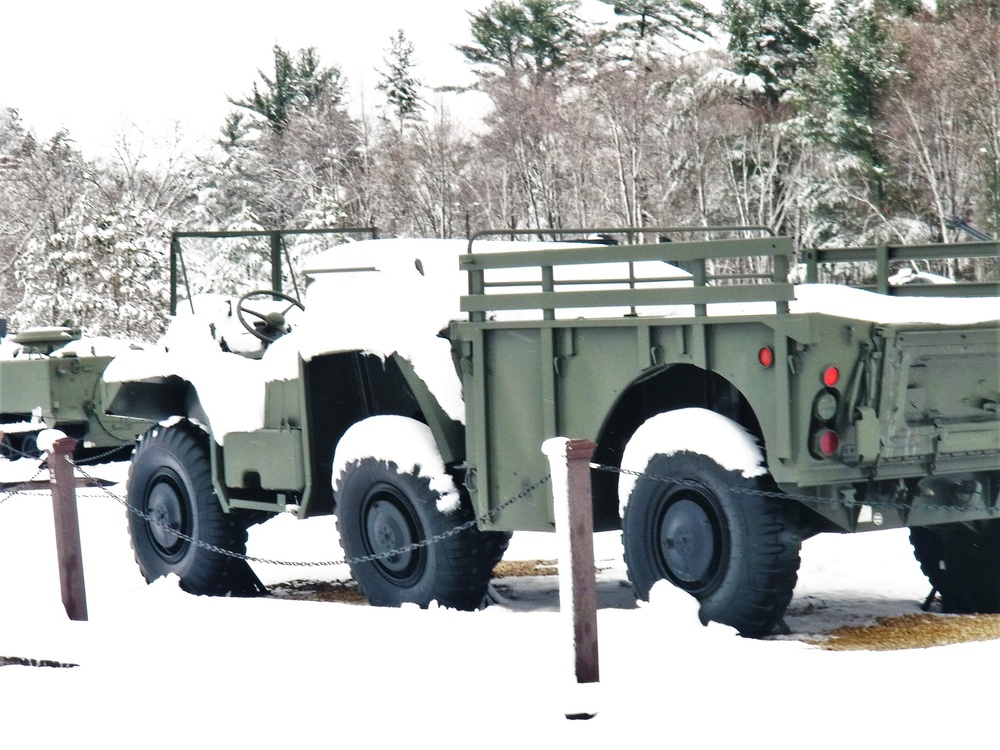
528 381
268 459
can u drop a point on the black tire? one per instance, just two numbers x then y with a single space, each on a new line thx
380 510
713 534
962 561
170 480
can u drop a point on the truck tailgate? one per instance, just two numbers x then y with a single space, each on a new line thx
941 388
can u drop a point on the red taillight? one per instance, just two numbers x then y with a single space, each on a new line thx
766 356
831 376
829 442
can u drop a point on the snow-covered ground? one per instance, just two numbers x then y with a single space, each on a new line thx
162 669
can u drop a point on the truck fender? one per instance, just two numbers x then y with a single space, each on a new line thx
404 441
695 430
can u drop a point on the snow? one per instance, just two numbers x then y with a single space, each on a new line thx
697 430
859 304
86 346
410 444
397 296
160 669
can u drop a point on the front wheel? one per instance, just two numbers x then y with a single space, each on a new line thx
402 548
720 536
171 502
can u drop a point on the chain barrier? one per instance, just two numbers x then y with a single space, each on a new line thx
21 487
776 494
316 564
7 492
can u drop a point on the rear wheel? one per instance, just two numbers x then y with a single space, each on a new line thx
724 538
402 549
962 561
172 502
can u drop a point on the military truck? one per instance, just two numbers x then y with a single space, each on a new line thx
51 377
735 413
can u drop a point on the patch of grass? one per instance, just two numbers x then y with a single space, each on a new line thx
913 631
521 568
345 592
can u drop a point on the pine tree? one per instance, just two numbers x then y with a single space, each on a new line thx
986 11
239 264
771 39
401 88
296 84
530 38
649 19
843 94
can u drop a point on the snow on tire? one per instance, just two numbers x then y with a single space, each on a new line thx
724 537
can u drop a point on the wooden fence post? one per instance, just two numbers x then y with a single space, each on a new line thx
569 462
67 521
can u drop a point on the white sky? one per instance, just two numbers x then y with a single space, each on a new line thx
93 67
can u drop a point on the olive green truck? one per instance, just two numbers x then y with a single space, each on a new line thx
50 377
739 404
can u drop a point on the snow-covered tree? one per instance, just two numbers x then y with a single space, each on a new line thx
531 39
397 82
104 271
298 81
236 265
771 39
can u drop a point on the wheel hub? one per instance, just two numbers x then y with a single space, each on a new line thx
165 507
389 529
687 543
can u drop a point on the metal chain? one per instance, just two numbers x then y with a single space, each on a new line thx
21 488
775 494
99 457
365 558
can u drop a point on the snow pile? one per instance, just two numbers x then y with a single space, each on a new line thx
696 430
230 386
410 444
908 275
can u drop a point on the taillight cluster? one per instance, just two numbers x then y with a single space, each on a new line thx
824 442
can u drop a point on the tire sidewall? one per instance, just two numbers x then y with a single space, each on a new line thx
751 584
179 453
360 480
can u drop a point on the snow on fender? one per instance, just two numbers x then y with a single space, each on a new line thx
696 430
408 443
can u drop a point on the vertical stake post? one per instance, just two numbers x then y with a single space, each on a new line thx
67 521
569 461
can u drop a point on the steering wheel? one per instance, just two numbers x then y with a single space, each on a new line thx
274 322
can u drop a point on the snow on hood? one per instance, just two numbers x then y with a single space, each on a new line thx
400 305
380 297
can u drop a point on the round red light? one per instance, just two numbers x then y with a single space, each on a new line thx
829 442
766 356
831 376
